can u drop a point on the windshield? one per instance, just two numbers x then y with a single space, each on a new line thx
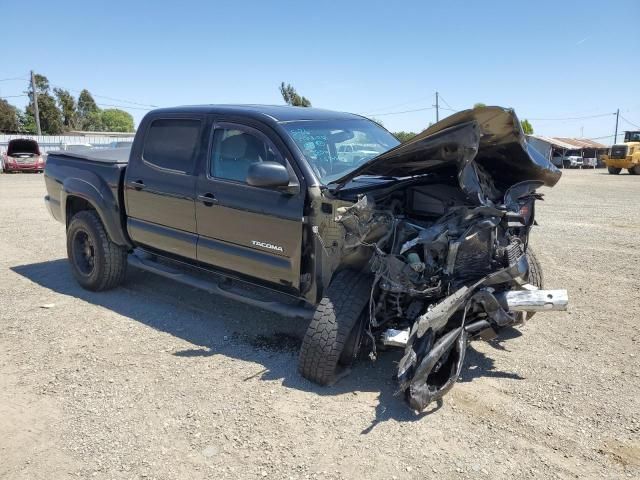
334 148
632 137
573 153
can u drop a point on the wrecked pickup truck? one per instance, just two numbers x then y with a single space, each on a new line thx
422 245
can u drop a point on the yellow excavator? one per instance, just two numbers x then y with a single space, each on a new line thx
625 155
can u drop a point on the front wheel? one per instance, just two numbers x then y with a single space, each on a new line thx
613 170
96 262
329 344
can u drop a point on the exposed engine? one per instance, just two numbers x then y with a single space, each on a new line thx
441 268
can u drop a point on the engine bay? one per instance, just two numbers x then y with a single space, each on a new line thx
440 265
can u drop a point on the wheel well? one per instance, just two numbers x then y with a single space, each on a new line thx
75 205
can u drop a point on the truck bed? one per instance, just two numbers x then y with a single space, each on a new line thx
110 155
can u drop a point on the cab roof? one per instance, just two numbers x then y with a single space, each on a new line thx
277 113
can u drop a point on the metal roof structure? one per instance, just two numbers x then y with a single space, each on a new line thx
569 143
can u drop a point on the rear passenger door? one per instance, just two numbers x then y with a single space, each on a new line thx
250 230
160 184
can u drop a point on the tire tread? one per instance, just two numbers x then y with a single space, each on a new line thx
332 322
114 265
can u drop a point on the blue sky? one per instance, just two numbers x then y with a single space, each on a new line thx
548 60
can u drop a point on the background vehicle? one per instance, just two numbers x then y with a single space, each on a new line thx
22 155
75 147
569 159
116 144
625 155
422 247
351 153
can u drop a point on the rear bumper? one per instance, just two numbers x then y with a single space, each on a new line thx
53 206
16 167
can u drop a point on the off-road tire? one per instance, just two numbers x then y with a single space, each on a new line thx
109 260
635 170
536 277
613 170
337 314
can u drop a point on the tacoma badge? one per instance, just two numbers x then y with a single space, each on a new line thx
267 245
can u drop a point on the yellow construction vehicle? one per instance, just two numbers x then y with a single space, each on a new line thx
625 155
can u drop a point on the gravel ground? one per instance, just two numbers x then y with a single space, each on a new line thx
158 380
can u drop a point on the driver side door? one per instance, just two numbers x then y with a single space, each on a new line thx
253 231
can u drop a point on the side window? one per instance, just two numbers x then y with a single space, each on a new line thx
172 143
234 150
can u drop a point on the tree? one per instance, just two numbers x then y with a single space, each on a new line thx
86 104
51 121
88 114
291 97
67 105
404 136
479 105
9 119
42 83
526 127
115 120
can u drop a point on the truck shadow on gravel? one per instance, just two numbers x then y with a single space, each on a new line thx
217 326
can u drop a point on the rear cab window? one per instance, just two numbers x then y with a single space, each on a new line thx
172 144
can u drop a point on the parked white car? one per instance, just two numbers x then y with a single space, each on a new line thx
354 153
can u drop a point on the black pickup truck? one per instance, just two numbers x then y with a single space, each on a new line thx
421 245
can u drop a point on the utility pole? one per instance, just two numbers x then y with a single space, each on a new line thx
615 137
437 109
35 103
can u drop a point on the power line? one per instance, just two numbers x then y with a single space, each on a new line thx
126 107
108 98
447 103
13 78
629 122
78 91
370 112
404 111
574 118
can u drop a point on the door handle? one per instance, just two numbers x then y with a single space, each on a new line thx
138 184
208 199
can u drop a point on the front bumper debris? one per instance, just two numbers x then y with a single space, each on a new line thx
534 300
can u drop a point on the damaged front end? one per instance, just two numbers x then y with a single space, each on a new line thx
446 241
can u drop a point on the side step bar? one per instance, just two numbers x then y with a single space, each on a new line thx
211 286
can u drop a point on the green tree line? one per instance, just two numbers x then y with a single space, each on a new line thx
61 112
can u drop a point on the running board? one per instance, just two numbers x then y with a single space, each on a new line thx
210 286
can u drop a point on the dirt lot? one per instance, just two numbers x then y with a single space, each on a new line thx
157 380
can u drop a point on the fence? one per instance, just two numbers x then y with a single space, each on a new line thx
54 142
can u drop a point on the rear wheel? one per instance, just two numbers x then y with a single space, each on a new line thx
635 170
334 333
96 262
613 170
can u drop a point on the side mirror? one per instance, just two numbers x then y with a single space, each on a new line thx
268 175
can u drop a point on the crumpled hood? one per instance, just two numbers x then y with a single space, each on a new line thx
490 137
